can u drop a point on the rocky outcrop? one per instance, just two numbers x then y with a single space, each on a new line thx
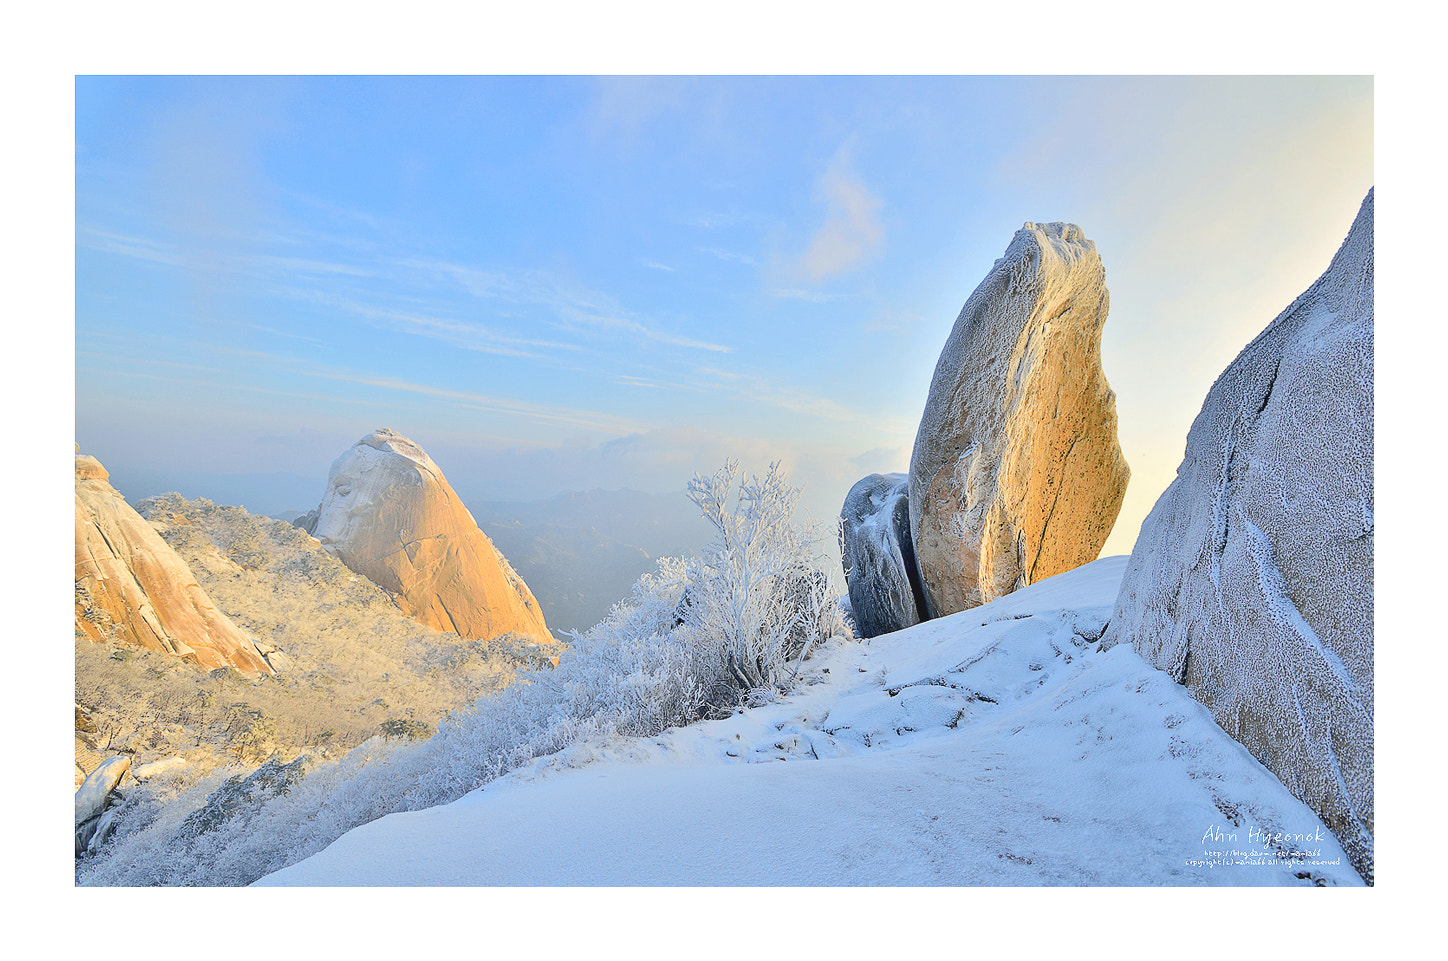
1252 579
878 557
130 586
1016 473
92 820
391 516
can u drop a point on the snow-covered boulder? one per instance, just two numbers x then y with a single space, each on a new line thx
878 558
1252 579
1016 473
390 515
131 586
91 798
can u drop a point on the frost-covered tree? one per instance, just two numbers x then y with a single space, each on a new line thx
694 637
756 593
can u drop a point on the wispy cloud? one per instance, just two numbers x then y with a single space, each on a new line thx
222 261
654 265
730 256
852 228
574 307
629 380
763 391
219 377
140 248
540 413
464 334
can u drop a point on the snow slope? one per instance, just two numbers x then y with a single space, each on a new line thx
997 746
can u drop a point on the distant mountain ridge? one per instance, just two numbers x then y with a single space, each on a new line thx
662 525
582 551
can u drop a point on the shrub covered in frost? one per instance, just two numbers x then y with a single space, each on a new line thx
693 637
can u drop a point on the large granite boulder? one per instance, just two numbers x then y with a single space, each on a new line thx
390 515
130 586
1016 473
879 560
1252 579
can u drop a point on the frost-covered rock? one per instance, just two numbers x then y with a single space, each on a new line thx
1252 578
879 560
391 516
241 795
91 798
164 766
1016 473
132 587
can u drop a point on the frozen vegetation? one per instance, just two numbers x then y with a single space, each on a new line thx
352 665
696 638
721 727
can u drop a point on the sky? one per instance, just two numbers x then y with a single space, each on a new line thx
570 283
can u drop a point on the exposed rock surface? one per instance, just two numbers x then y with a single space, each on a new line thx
391 516
1252 579
1016 473
131 586
91 799
879 560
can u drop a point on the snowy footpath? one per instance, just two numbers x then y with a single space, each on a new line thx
996 746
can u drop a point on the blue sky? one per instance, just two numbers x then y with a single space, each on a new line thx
571 283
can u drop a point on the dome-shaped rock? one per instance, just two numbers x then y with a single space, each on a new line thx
390 515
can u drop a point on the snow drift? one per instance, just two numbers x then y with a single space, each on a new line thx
997 746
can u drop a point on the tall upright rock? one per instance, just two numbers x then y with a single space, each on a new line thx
1016 473
1252 579
878 557
390 515
131 586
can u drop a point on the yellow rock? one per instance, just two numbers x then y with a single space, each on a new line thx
130 584
390 515
1016 473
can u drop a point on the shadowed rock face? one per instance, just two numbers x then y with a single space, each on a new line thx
132 586
391 516
878 558
1016 473
1252 579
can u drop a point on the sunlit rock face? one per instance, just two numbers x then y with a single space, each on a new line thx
1016 473
878 558
1252 579
131 586
390 515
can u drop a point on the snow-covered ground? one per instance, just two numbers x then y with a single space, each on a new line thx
996 746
